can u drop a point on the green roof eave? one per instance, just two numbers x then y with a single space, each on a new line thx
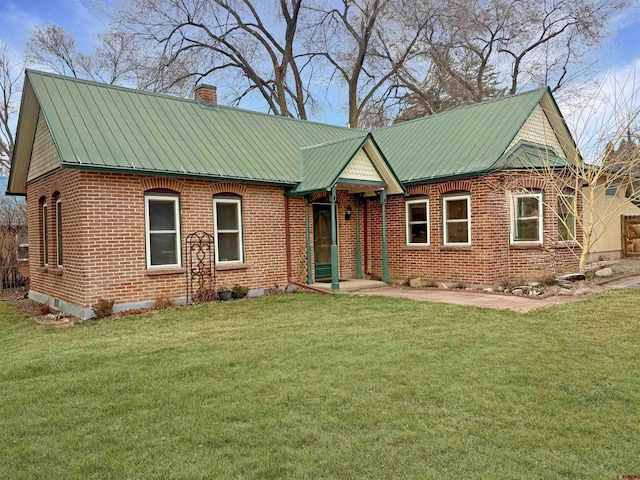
164 173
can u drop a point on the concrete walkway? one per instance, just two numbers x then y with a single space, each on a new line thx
493 300
466 297
632 281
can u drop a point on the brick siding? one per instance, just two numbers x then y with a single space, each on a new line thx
104 236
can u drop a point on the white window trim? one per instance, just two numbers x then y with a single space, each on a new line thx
176 205
571 196
514 219
45 235
58 231
238 203
408 223
445 221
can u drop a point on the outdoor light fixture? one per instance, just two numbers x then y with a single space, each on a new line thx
347 216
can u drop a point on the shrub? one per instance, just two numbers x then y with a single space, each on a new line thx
43 309
205 295
460 285
163 302
276 290
104 308
239 291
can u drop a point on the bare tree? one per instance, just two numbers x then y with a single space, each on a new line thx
248 44
477 50
10 87
366 43
610 117
113 61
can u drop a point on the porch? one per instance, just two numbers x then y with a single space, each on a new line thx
356 168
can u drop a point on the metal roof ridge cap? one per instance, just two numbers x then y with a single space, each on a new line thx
182 99
333 142
463 107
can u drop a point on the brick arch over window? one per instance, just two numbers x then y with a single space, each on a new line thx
533 184
421 190
56 188
455 186
228 187
162 183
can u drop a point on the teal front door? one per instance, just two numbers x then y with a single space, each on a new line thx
322 241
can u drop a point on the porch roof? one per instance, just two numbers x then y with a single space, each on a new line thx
321 166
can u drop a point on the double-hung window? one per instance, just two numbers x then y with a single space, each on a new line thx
417 221
45 235
527 218
162 219
227 220
456 220
566 216
59 231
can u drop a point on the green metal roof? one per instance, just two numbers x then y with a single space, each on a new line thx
321 165
529 155
98 126
463 141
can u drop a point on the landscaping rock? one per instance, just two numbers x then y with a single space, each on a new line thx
524 288
517 291
572 277
564 284
443 285
488 290
416 283
605 272
533 284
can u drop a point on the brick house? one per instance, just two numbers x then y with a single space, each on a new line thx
115 180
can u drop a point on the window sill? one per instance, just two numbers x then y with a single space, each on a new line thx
566 244
231 266
455 247
152 272
526 246
424 246
56 270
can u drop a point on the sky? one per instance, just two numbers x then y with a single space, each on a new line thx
20 16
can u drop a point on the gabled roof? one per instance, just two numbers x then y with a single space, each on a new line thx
322 165
463 141
105 127
115 128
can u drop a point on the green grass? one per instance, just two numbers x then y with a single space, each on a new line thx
306 386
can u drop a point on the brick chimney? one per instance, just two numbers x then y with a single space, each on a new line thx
206 93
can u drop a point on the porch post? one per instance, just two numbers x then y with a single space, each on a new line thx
358 246
308 232
335 280
385 250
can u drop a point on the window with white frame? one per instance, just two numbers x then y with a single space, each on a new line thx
59 231
526 214
417 221
566 216
162 220
45 235
227 220
456 220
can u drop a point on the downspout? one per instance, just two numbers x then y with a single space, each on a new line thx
287 236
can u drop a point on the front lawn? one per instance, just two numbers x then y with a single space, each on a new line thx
309 386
